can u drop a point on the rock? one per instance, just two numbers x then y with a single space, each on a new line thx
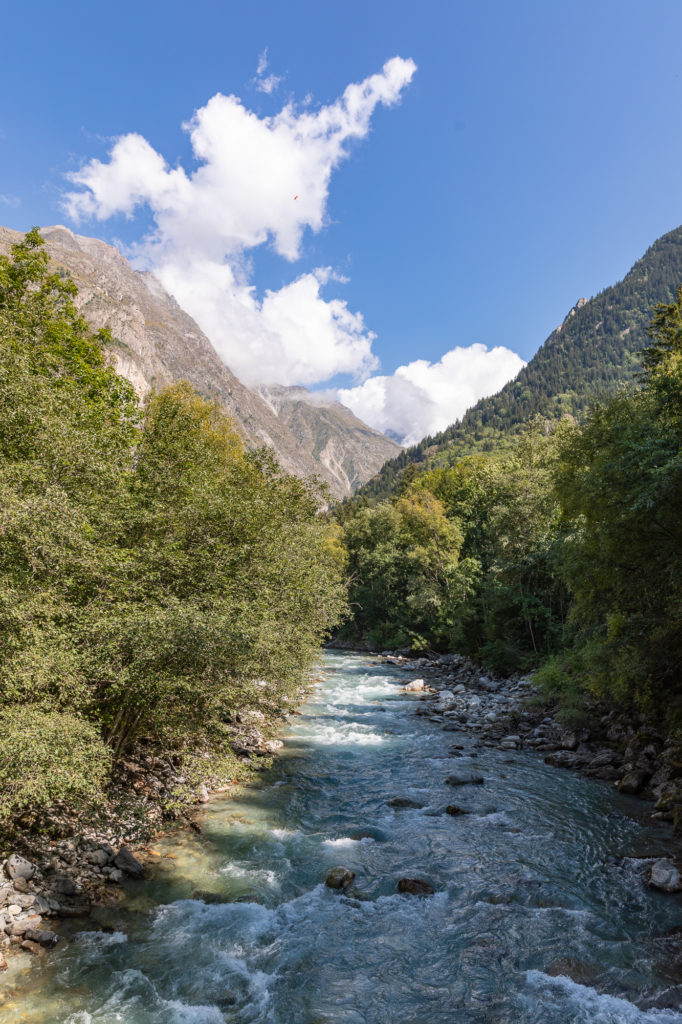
464 779
339 878
206 896
22 925
98 857
633 781
454 810
202 796
126 862
19 867
115 875
416 686
32 947
568 741
415 887
404 801
460 688
665 876
42 937
3 961
20 885
64 885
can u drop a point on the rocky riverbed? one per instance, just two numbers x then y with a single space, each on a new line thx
509 714
387 867
61 868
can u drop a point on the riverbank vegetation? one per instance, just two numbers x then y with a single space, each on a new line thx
561 548
156 578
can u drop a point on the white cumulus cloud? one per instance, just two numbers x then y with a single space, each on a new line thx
258 180
422 398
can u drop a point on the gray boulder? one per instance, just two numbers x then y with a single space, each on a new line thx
128 864
19 867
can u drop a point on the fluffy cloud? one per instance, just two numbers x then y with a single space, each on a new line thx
423 398
258 180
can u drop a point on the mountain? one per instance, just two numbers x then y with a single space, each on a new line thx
331 434
586 357
156 343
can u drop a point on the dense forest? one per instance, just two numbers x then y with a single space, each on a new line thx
595 350
155 577
562 549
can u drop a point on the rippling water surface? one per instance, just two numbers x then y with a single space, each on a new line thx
535 920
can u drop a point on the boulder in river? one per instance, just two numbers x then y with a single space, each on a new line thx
464 778
664 875
126 862
454 810
404 801
415 887
339 878
416 686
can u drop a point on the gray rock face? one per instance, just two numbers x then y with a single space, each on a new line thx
126 862
19 867
415 887
339 878
464 778
665 876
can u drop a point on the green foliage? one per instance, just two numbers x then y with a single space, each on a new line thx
155 577
568 549
47 756
480 578
620 486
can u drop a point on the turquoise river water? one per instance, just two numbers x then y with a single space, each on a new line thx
541 913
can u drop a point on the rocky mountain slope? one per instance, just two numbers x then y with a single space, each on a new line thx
331 434
592 352
156 343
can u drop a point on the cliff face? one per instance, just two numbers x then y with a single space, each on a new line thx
331 434
157 343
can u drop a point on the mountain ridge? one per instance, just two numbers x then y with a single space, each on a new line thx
156 342
594 350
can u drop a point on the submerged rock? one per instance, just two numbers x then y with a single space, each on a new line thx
454 810
339 878
405 801
464 779
415 887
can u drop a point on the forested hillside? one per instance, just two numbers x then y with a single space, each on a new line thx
561 551
156 577
594 350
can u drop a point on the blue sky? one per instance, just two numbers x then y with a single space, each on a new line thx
531 158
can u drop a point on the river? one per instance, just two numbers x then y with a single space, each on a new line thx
541 913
